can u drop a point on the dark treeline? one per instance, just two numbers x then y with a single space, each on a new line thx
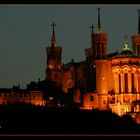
21 118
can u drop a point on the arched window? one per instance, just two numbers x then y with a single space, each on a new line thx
91 98
132 83
98 48
119 83
102 48
126 82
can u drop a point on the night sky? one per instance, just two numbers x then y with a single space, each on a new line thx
25 32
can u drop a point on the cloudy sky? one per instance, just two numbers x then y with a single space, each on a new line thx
25 32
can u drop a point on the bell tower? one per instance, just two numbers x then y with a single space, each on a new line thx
136 39
99 45
53 70
99 41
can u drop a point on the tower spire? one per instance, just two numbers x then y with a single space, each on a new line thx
92 29
99 24
53 25
53 35
138 21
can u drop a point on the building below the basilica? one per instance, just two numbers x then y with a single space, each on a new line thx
103 81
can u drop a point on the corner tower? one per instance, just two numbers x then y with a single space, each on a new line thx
53 70
136 39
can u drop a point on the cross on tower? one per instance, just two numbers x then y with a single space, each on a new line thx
53 25
92 28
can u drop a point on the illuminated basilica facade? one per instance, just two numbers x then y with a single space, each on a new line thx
110 81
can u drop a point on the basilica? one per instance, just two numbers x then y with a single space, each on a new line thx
108 81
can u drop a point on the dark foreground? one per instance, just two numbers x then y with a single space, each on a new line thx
28 119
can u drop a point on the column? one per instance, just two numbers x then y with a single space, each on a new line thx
136 81
122 82
115 83
129 82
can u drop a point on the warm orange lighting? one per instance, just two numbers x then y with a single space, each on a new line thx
134 69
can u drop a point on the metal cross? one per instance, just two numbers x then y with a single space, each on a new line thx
92 28
53 25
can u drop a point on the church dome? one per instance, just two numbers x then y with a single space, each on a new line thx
126 52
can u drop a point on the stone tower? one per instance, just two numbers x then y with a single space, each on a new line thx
53 70
99 45
136 39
